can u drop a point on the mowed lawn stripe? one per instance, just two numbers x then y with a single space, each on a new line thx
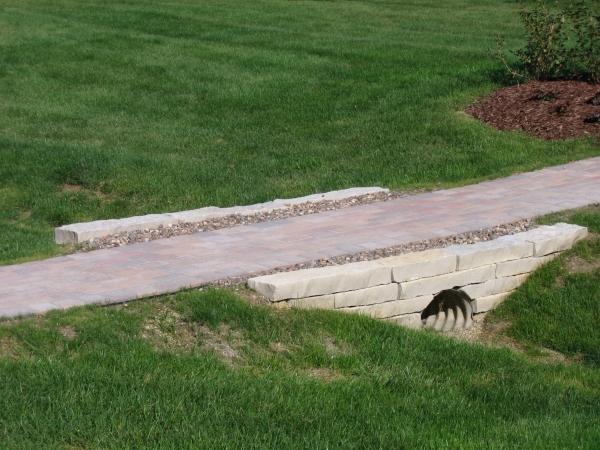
118 108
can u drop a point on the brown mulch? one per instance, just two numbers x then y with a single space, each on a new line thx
547 110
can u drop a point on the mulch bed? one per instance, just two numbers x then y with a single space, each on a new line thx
547 110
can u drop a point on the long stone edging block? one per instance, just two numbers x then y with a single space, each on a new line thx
505 248
322 281
557 238
493 287
317 302
520 266
369 296
393 308
412 266
80 232
433 285
407 320
488 303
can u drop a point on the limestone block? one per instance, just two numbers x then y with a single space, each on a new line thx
407 320
578 232
318 302
80 232
250 210
552 239
493 287
64 235
322 280
520 266
369 296
394 308
197 215
498 250
333 195
433 285
484 304
412 266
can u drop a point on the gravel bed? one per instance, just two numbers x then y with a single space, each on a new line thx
236 220
473 237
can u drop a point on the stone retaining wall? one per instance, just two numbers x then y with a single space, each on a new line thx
400 288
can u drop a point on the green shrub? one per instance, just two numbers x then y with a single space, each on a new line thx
560 42
586 25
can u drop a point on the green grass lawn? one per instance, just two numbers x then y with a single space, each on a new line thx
559 305
209 370
121 107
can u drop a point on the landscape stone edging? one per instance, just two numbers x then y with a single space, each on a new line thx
78 233
413 248
489 272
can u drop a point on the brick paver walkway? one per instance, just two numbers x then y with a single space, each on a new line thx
167 265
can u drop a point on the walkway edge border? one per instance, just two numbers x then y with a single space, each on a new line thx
78 233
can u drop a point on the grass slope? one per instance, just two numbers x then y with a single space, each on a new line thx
205 369
558 307
120 107
208 370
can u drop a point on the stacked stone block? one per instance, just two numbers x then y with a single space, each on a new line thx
400 288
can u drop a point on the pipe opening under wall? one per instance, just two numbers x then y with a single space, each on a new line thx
449 310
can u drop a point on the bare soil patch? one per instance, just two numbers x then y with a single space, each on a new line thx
168 331
6 347
11 347
325 374
73 188
579 264
247 294
548 110
337 348
492 334
68 332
